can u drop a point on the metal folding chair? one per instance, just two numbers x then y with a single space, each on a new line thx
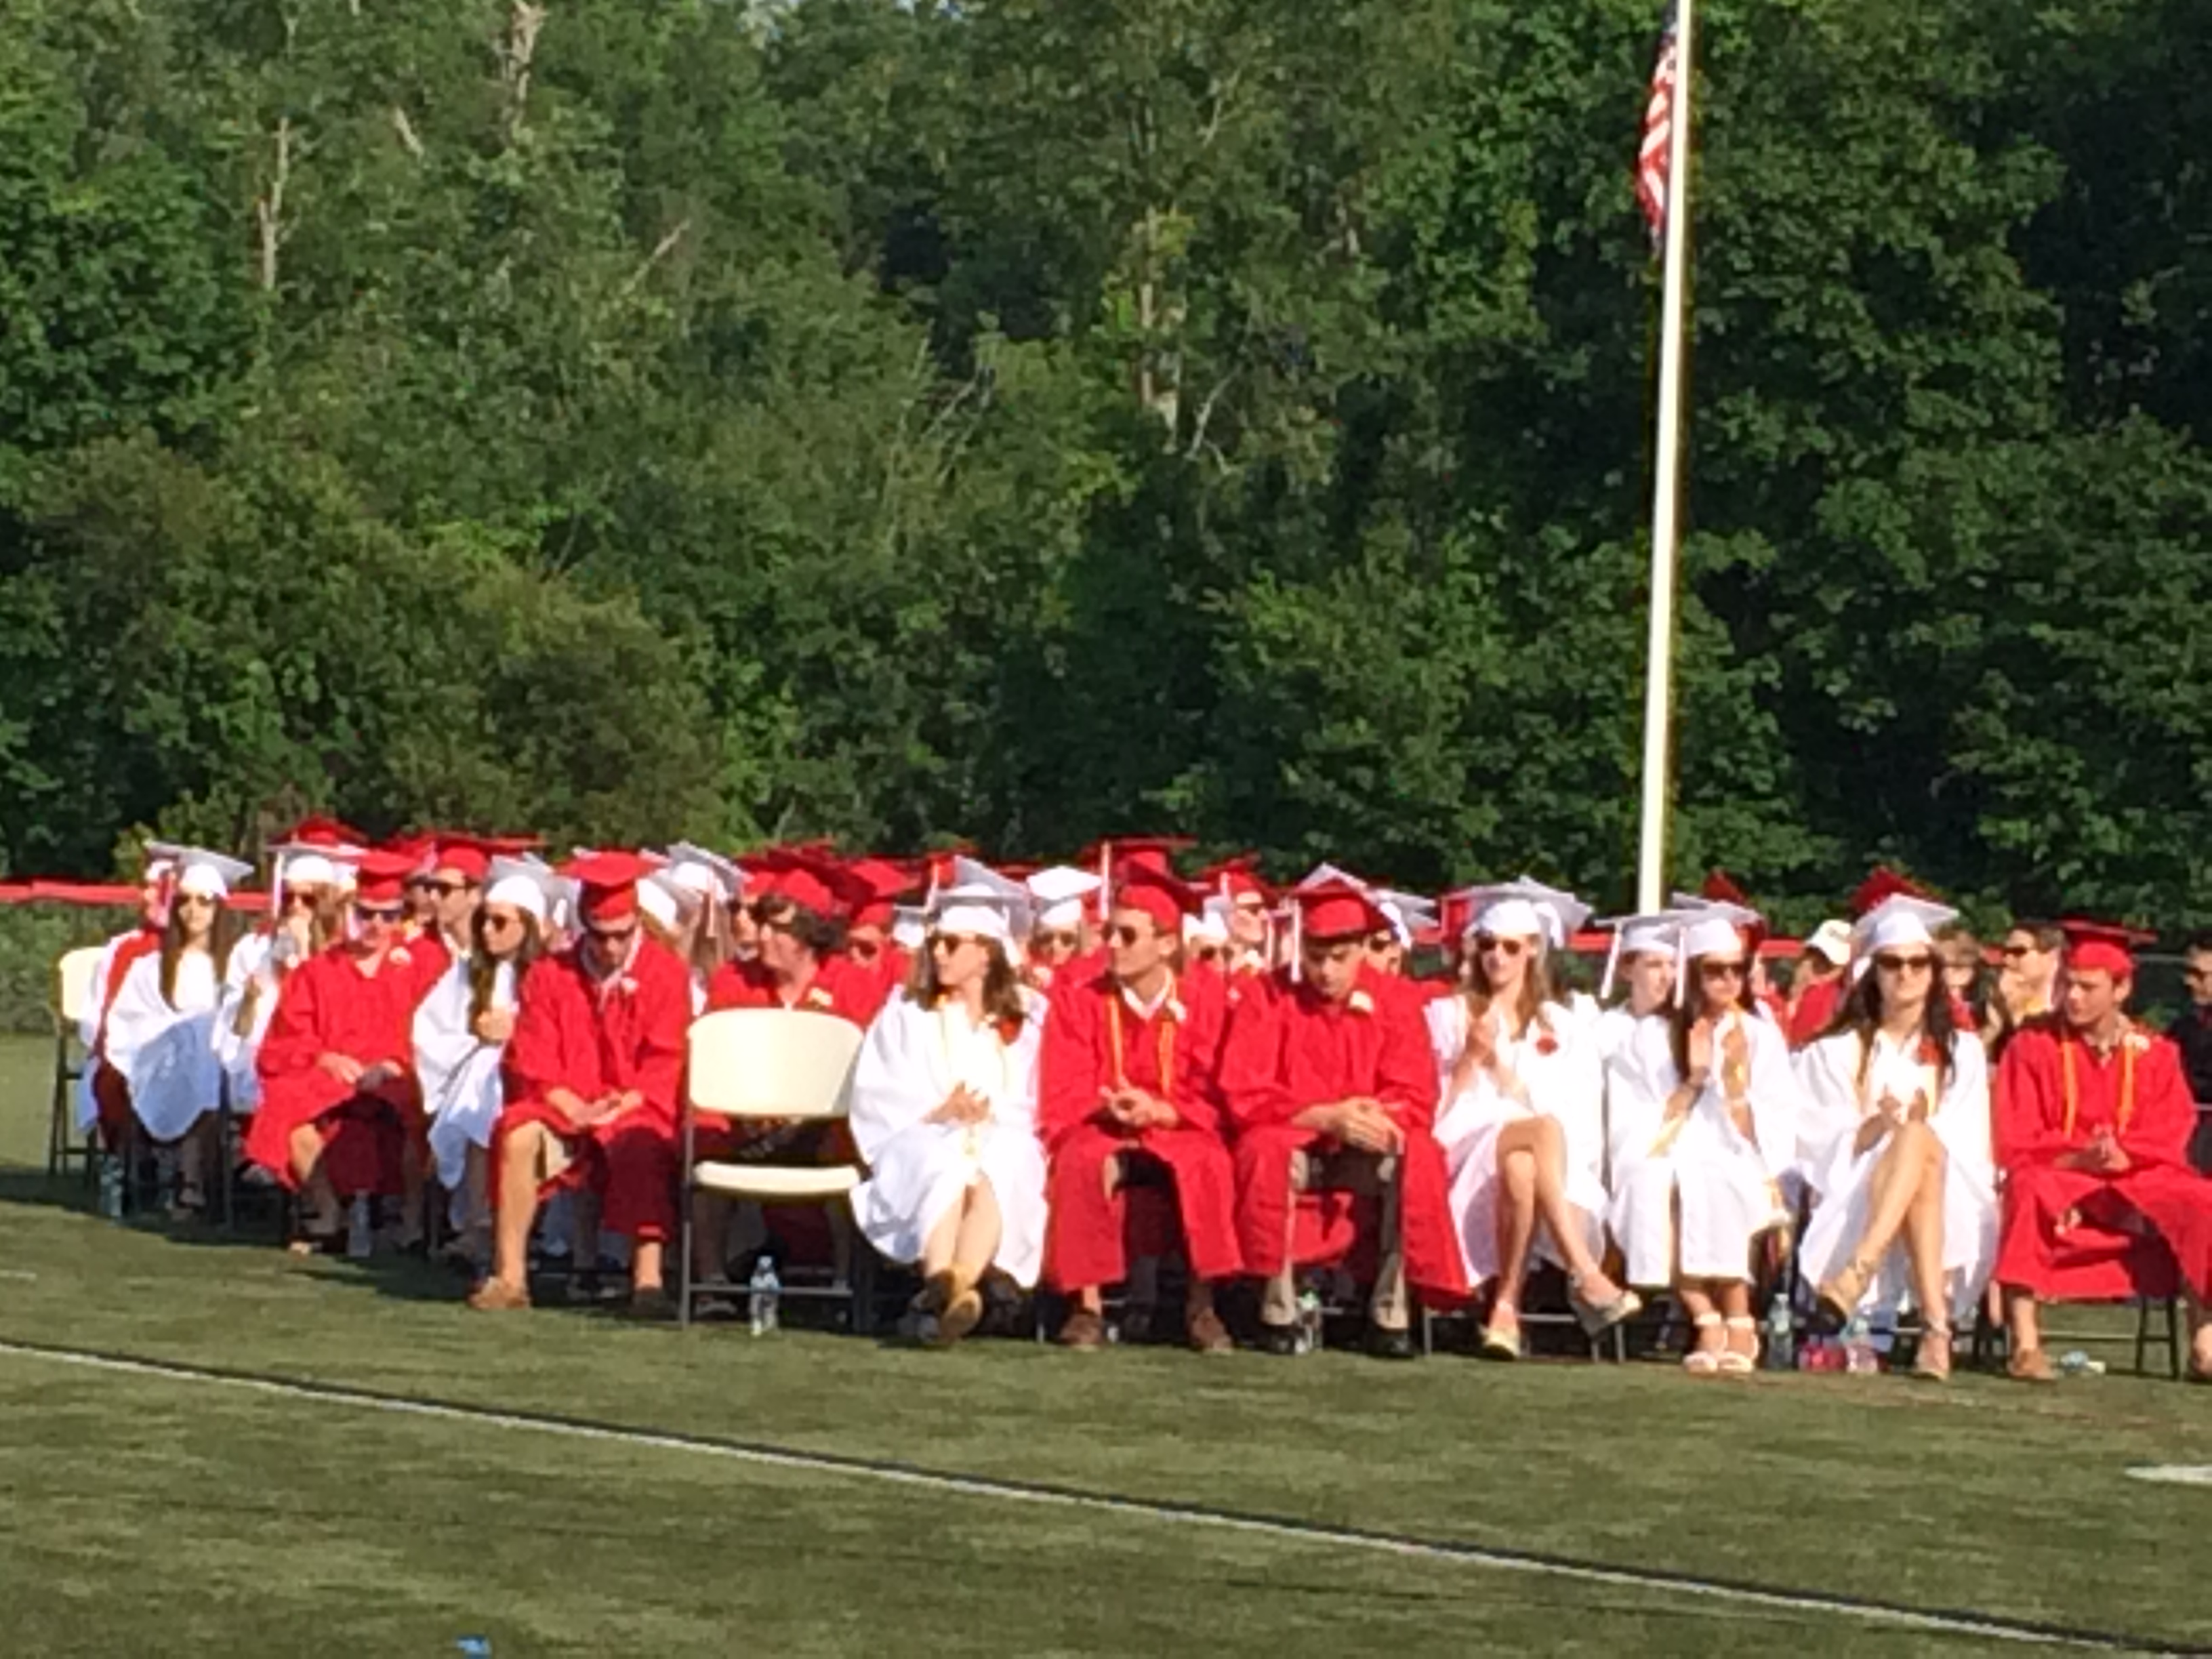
73 975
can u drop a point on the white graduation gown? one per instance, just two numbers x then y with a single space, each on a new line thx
166 1053
1567 1085
1727 1185
252 964
88 1030
460 1075
910 1061
1836 1105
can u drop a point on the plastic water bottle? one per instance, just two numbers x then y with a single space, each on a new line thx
766 1290
2075 1362
361 1229
111 1186
1309 1338
1781 1338
476 1647
1860 1357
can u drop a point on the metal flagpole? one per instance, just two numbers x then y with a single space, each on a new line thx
1658 683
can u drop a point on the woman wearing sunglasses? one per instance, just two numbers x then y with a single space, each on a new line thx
1703 1127
944 1107
1897 1133
1522 1124
461 1033
162 1081
340 1102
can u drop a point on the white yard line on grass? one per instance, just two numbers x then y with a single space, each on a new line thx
1982 1626
2174 1474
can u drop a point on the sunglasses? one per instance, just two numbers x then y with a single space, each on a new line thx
1209 953
196 898
947 944
617 936
2013 952
1889 965
494 919
1252 907
378 914
446 890
295 900
1506 947
1124 934
1049 941
863 949
1717 970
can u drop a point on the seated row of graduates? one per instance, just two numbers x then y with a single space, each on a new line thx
1017 1070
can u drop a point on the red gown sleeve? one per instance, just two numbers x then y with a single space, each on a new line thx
1251 1081
1069 1066
2028 1115
1198 1057
663 1029
727 988
536 1058
1404 1068
293 1041
2165 1116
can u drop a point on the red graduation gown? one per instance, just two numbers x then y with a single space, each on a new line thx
1287 1049
597 1037
330 1005
2076 1234
1085 1238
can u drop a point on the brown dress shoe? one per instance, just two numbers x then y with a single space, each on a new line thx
1208 1334
494 1296
1083 1329
2031 1365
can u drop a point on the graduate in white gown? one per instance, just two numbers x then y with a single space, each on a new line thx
159 1033
1522 1122
461 1029
1703 1126
1642 960
944 1108
1895 1141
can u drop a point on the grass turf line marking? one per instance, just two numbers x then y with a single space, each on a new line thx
2174 1474
1986 1626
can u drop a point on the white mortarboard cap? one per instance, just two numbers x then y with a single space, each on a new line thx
662 900
1833 940
979 900
697 869
1209 927
209 875
1404 912
1322 874
909 926
1569 911
1712 932
1901 919
1057 894
1523 909
161 859
1638 936
523 883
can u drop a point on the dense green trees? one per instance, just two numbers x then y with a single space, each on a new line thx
1033 419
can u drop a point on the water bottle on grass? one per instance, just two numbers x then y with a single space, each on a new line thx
1309 1338
764 1290
1781 1338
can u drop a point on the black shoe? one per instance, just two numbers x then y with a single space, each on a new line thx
1392 1345
1279 1339
655 1304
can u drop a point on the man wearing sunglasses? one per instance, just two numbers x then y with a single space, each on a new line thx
1328 1078
594 1069
2028 982
341 1110
2093 1120
1126 1084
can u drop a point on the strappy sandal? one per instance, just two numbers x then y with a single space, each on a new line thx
1733 1362
1499 1343
1931 1360
1842 1294
1596 1318
1701 1361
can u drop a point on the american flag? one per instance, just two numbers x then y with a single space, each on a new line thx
1657 152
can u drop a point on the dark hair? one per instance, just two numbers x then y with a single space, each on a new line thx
1475 988
1003 1002
817 932
2048 935
1689 1008
1861 1013
222 934
484 967
2202 939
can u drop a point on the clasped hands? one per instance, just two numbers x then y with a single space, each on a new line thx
1890 1113
356 1075
1134 1109
963 1105
588 1113
2104 1155
1362 1123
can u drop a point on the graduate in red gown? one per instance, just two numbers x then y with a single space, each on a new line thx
341 1108
1329 1080
594 1081
2093 1121
1125 1081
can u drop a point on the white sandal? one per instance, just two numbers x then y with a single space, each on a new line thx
1703 1361
1736 1364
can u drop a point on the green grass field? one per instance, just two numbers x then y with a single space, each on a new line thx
144 1514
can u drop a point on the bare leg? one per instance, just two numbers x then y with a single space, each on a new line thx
317 1195
2200 1335
981 1227
1923 1239
647 1259
1708 1335
1898 1175
2023 1320
1547 1143
1516 1230
938 1248
523 1149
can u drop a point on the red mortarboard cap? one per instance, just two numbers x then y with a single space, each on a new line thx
1166 899
1883 884
880 884
1337 909
1719 884
811 882
2102 945
323 831
607 884
1120 854
1236 878
381 877
465 855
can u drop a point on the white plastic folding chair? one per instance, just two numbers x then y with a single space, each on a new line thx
756 1064
73 975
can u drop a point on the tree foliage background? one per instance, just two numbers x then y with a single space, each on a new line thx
1033 419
